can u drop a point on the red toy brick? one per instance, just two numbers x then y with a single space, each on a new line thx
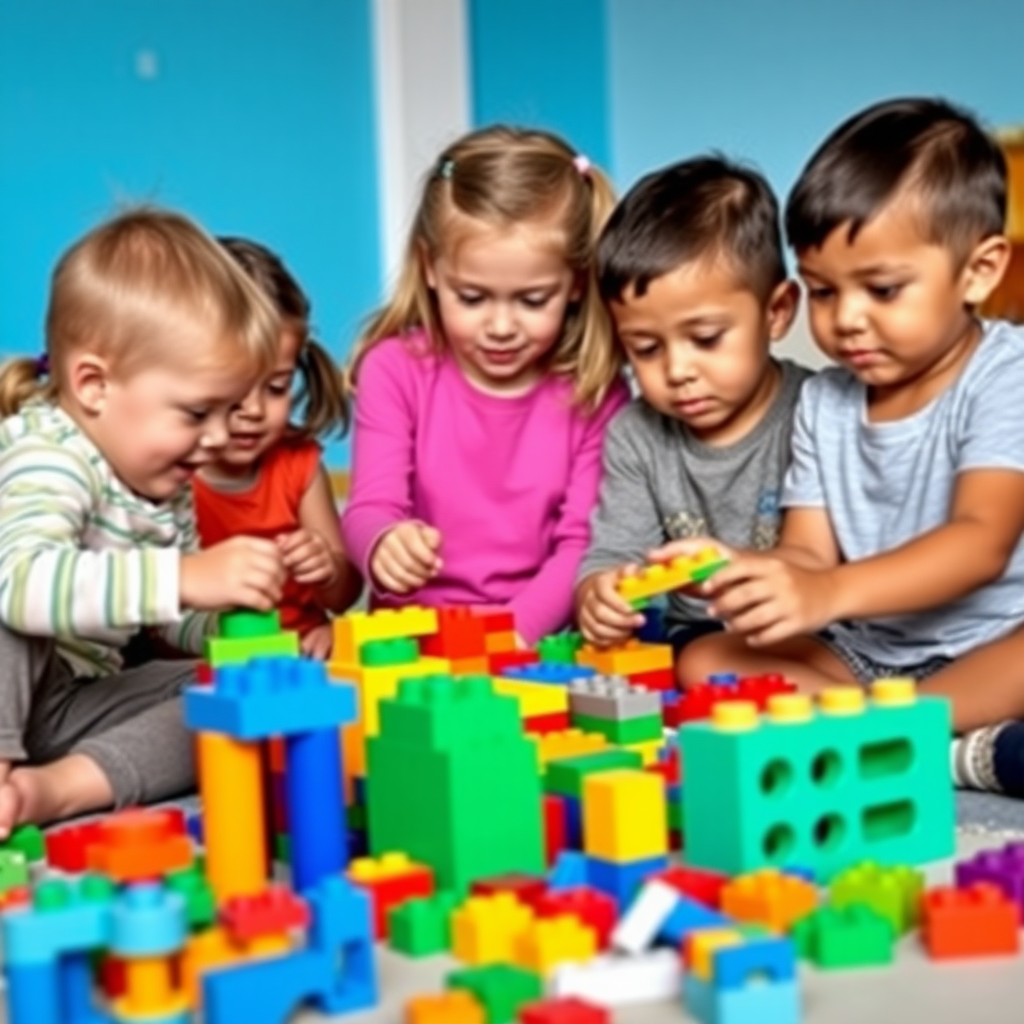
980 920
113 976
495 620
137 845
593 908
703 886
460 634
558 721
564 1011
20 896
556 829
204 674
502 660
390 891
66 848
528 889
661 679
270 913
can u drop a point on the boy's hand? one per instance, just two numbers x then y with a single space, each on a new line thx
318 642
605 617
406 557
243 572
307 557
767 599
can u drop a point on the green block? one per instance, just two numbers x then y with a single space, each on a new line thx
221 650
821 794
705 572
13 870
282 848
560 648
622 730
675 815
894 893
27 839
501 990
243 625
854 936
355 814
566 776
194 889
383 653
422 927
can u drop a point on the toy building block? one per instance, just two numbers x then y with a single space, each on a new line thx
662 680
703 886
978 921
555 828
500 988
564 1011
612 697
1004 868
649 750
699 699
421 927
892 892
626 658
550 941
770 898
624 816
13 870
528 889
777 1002
622 880
612 981
501 662
390 881
550 673
139 845
200 904
485 929
566 776
631 732
27 840
542 725
729 958
573 822
272 912
821 787
689 916
497 621
664 577
66 847
461 633
461 749
597 910
569 743
559 648
534 698
641 923
20 896
855 936
503 642
353 630
455 1007
569 871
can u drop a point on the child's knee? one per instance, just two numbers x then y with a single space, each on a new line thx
700 659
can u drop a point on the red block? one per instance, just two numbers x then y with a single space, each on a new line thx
66 847
502 660
528 889
558 721
113 977
556 829
564 1011
703 886
204 674
656 679
392 891
460 634
270 913
138 845
495 620
593 908
19 896
980 920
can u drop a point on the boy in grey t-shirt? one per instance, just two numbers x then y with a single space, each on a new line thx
691 267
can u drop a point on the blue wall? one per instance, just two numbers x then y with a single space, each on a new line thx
768 80
259 121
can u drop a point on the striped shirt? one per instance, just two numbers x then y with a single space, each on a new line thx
82 558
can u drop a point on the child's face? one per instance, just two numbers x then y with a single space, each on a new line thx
890 305
260 420
698 340
502 295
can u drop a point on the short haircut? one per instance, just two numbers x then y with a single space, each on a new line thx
698 209
924 148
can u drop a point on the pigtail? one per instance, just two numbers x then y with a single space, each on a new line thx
21 380
321 393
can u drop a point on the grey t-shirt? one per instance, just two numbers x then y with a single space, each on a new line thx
885 484
661 483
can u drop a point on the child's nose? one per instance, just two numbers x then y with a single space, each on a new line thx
502 322
849 314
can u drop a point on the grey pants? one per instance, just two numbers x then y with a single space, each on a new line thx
130 724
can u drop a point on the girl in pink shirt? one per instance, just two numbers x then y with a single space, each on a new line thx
484 387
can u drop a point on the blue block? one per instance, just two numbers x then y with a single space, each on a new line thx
148 920
194 825
39 936
359 789
723 679
688 916
269 697
33 996
769 956
621 881
343 928
573 821
265 991
773 1003
570 871
669 698
807 874
554 673
653 629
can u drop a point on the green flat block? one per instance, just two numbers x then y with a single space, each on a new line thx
423 927
705 572
824 794
622 730
244 625
235 651
566 776
356 817
402 650
560 648
200 903
638 604
502 990
28 839
13 870
894 893
834 939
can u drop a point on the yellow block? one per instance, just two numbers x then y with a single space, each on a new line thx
624 815
626 658
390 865
550 941
353 630
702 945
485 928
150 989
375 683
556 746
648 750
534 698
500 643
455 1007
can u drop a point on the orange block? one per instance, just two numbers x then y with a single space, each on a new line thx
136 845
770 898
455 1007
980 920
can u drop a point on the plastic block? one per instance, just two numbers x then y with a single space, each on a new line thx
555 829
140 845
701 946
220 652
499 642
770 898
353 630
528 889
689 916
775 1003
612 697
1004 868
390 881
461 633
573 821
597 910
544 725
27 840
548 673
147 921
500 662
664 577
200 903
855 936
569 872
978 921
703 886
758 957
66 848
13 870
559 648
21 896
564 1011
270 913
51 993
647 914
502 990
622 880
624 816
421 927
821 786
612 981
894 893
566 776
567 744
624 731
245 624
457 1007
534 698
626 658
700 699
550 941
269 697
485 929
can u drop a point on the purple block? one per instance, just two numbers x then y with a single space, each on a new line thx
1004 868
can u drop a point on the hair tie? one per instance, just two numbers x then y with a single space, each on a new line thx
41 365
446 168
582 165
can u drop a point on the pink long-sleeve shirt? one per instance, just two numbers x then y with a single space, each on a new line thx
510 483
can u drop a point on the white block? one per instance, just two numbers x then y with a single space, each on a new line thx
612 981
639 926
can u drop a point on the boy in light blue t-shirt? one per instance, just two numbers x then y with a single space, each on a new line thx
901 551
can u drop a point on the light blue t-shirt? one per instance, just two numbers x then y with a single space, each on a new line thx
885 484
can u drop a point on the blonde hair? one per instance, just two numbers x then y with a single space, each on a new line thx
504 176
321 390
129 288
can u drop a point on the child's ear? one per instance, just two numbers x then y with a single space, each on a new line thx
781 310
427 266
88 381
984 269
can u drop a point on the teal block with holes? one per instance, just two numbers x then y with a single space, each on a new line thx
821 794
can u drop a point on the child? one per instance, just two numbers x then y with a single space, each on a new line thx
691 265
269 481
485 385
901 547
152 335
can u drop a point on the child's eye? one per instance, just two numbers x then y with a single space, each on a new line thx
196 415
884 292
707 340
535 301
470 298
819 294
643 351
278 390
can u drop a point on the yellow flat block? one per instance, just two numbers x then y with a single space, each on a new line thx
550 941
534 698
648 750
627 658
664 577
353 630
375 869
455 1007
373 684
701 946
485 928
556 746
625 815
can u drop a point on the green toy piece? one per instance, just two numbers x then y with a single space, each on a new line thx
559 648
194 889
499 988
384 653
622 730
565 777
244 625
422 927
13 870
853 936
894 893
27 839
